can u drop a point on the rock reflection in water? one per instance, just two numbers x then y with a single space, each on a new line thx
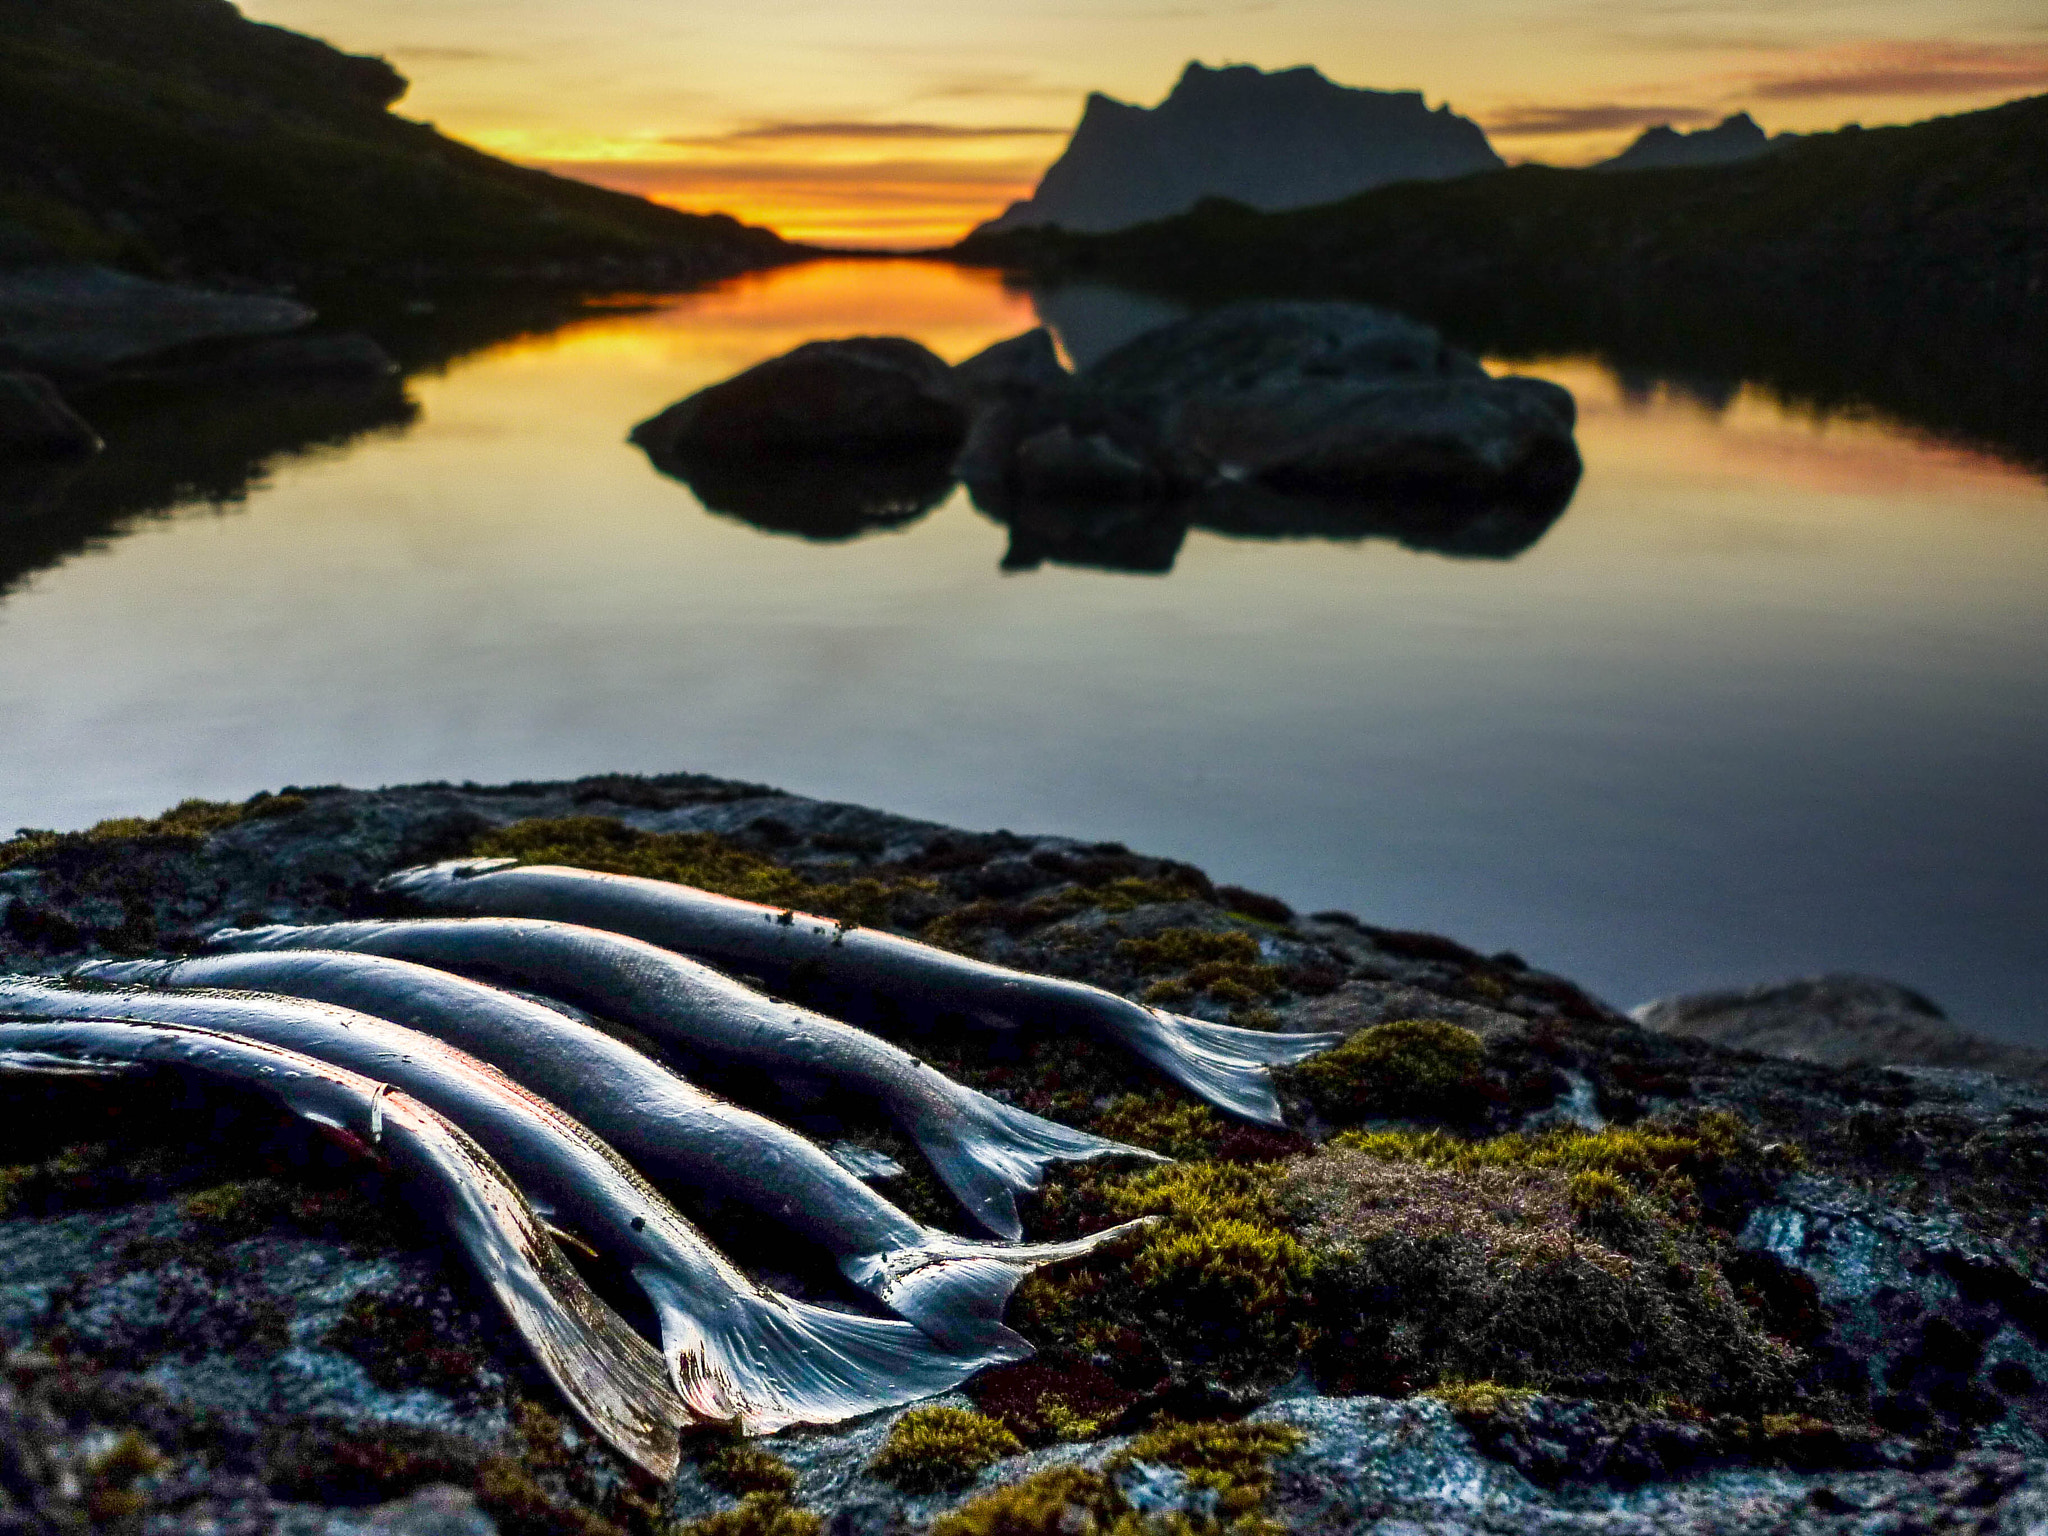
169 448
826 497
1145 537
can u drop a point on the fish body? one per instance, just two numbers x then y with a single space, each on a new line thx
986 1152
878 972
680 1136
736 1353
614 1379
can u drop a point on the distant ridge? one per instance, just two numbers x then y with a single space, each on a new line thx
1287 139
1731 140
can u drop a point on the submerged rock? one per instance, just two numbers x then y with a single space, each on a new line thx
81 319
35 423
332 357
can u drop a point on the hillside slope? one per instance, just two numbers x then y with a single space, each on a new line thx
177 137
1906 265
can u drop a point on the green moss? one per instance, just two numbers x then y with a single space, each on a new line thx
509 1493
735 1467
1234 1459
1062 1501
1411 1067
933 1448
1162 1121
1216 1285
1670 1162
247 1207
1426 1272
1225 965
1477 1399
111 1496
759 1514
1173 949
702 859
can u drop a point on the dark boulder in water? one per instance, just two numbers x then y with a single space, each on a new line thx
1330 400
860 394
1023 365
35 423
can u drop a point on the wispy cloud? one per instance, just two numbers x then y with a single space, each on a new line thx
885 180
770 133
434 53
1905 68
1594 117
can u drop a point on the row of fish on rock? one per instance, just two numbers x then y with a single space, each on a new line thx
447 1043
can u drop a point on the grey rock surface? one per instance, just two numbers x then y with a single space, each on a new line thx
1840 1019
35 423
80 319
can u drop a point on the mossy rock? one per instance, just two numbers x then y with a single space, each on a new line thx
1216 1289
736 1467
1233 1461
1413 1068
1427 1272
929 1449
758 1514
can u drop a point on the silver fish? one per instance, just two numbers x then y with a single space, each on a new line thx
612 1377
986 1152
736 1353
680 1136
1228 1067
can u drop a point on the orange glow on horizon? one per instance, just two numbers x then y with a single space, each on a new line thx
893 205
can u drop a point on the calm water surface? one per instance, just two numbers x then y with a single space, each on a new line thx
1768 698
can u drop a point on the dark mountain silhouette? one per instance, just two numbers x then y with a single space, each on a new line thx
1281 140
1735 138
178 138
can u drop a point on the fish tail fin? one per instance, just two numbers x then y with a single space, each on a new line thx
762 1362
988 1153
955 1288
1227 1066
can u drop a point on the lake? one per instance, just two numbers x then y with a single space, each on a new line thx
1768 698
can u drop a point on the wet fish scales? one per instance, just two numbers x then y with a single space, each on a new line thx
613 1378
683 1138
735 1352
1227 1066
986 1152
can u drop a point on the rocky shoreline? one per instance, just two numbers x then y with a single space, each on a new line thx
213 1327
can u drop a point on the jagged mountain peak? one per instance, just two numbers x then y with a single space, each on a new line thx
1268 139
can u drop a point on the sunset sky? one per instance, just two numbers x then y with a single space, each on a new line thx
904 122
